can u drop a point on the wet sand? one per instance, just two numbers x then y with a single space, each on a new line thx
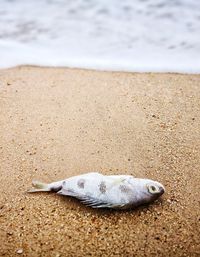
56 123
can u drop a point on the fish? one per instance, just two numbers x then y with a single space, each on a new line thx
105 191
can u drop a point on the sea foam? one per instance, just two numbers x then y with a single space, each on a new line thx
128 35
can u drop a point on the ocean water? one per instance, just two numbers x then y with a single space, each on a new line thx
128 35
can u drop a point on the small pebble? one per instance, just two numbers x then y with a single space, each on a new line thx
169 201
19 251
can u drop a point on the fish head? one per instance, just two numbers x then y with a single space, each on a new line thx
154 189
148 191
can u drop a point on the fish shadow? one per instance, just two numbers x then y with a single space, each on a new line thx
71 203
75 204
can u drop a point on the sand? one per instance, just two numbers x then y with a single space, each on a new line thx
59 122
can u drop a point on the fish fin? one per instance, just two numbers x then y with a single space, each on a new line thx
39 187
35 190
95 203
88 200
92 174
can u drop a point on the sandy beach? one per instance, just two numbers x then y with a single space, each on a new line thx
59 122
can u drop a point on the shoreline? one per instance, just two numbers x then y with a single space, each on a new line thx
59 122
96 70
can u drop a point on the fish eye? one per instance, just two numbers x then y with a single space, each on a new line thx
152 189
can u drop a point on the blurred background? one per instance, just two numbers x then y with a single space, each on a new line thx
128 35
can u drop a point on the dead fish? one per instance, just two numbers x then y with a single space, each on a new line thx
101 191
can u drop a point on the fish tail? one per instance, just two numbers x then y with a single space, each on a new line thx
39 187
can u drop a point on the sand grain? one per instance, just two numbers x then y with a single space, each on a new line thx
57 123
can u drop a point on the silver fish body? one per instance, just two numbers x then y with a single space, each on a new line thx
101 191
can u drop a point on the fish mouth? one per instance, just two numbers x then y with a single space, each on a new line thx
162 190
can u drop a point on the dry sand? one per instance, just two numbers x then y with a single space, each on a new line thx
56 123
